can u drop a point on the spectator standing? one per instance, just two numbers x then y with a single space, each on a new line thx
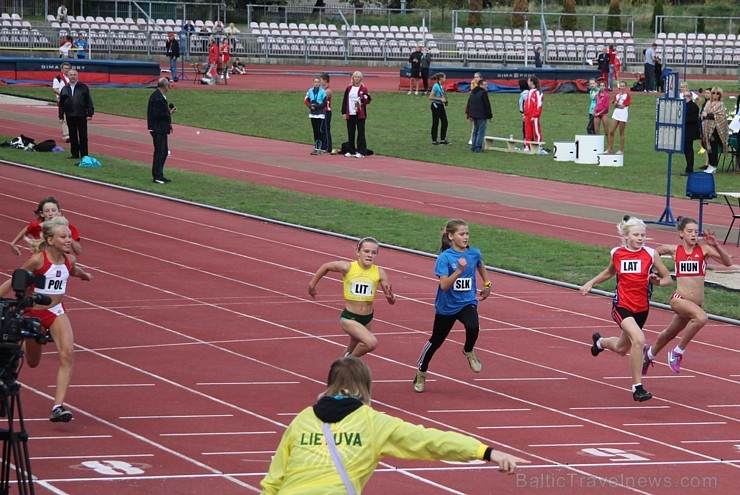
81 46
658 74
602 62
426 63
320 465
593 90
620 116
214 59
415 61
76 105
62 13
612 66
691 131
354 108
473 84
523 93
479 113
61 80
188 29
172 49
159 123
225 57
650 67
715 130
532 114
316 102
65 46
439 114
601 110
328 145
218 31
538 57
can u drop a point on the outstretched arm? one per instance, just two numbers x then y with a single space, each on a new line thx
605 275
333 266
16 240
386 287
714 250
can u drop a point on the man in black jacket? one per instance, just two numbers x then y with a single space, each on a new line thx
173 53
479 113
159 123
691 132
75 103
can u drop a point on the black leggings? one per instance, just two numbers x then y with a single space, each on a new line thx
714 144
439 114
319 137
468 316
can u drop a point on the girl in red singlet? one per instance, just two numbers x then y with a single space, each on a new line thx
633 264
686 302
52 259
48 208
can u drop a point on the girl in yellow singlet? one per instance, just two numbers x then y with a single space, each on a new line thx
361 280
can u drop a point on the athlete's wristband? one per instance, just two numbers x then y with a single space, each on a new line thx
487 454
487 284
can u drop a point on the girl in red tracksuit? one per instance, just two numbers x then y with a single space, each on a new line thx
532 112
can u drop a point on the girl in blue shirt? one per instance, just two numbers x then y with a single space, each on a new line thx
316 101
456 296
439 114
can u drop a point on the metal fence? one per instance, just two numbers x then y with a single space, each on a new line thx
691 24
345 49
553 20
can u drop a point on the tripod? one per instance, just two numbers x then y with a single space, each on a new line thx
15 442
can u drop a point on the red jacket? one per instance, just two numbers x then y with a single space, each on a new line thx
533 104
365 100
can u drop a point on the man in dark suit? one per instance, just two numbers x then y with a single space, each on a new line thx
691 132
173 53
159 122
75 103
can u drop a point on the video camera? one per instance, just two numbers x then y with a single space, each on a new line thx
14 327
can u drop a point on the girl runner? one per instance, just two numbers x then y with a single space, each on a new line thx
47 209
361 278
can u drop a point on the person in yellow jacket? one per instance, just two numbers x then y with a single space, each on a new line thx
303 464
361 280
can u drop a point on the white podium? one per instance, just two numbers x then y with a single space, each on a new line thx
611 160
564 151
589 147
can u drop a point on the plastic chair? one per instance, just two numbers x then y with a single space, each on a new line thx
200 71
731 160
700 185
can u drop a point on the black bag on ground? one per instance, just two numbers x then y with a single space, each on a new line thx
47 145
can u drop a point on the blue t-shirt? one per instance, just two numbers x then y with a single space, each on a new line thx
463 291
437 92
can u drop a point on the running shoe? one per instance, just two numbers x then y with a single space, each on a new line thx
435 143
674 361
444 141
419 381
526 149
595 351
641 395
543 152
473 361
315 152
349 155
646 361
59 414
711 169
359 155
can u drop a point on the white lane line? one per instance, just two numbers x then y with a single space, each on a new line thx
475 410
109 385
698 423
526 426
601 444
75 437
517 379
217 433
182 416
205 384
724 405
710 441
651 377
96 456
246 452
615 408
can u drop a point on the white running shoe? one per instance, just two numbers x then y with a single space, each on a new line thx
348 155
360 155
710 169
419 381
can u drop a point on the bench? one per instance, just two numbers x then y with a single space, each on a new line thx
512 145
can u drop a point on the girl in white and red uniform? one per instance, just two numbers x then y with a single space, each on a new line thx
686 302
620 116
532 113
48 208
632 263
52 259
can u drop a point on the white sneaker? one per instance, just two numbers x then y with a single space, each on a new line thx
543 152
710 169
420 381
526 149
360 155
470 142
348 155
409 92
416 93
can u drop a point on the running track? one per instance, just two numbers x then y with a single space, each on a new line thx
196 345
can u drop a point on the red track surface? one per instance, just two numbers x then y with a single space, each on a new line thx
197 345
